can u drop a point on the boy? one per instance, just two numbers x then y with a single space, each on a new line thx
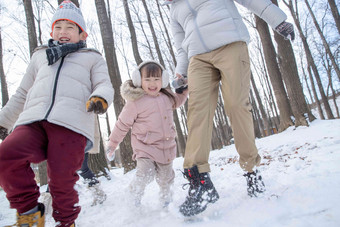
53 116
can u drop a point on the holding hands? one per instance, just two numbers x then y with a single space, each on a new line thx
180 83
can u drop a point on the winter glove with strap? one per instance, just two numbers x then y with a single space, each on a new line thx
3 133
97 105
286 30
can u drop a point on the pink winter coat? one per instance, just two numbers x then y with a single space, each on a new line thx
150 119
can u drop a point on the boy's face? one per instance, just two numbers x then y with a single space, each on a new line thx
67 32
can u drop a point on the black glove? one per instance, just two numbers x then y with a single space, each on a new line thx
3 133
97 105
181 89
286 30
180 84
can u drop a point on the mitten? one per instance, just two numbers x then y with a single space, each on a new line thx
97 105
286 30
3 133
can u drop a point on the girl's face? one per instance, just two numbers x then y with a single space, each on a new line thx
151 84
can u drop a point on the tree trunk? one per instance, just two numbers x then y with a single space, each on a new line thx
317 101
4 90
113 67
292 81
134 44
258 124
263 112
310 59
97 162
32 38
274 74
32 35
335 13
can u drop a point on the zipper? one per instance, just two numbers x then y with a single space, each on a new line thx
54 89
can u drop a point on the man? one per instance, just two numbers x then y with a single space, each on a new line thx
211 41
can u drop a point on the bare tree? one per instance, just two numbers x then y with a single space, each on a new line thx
309 56
113 67
134 44
290 75
324 42
155 40
32 35
169 44
274 74
262 110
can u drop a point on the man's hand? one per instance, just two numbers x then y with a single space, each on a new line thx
286 30
3 133
97 105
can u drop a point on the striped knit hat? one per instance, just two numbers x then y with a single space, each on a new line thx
67 10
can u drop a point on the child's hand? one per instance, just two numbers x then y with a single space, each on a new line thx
180 83
110 154
97 105
3 133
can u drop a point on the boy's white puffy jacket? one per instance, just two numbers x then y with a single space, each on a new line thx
210 24
60 99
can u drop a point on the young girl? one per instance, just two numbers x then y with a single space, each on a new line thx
149 113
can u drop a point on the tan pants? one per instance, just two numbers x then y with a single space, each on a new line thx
230 66
147 170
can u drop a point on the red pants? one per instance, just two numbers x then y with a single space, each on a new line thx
64 151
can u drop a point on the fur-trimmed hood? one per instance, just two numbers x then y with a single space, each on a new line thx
130 92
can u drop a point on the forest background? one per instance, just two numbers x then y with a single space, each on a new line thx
288 78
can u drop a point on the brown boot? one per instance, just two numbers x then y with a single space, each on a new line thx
36 219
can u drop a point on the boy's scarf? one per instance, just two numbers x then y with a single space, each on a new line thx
57 50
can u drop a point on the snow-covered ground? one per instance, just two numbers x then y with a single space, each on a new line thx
301 170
